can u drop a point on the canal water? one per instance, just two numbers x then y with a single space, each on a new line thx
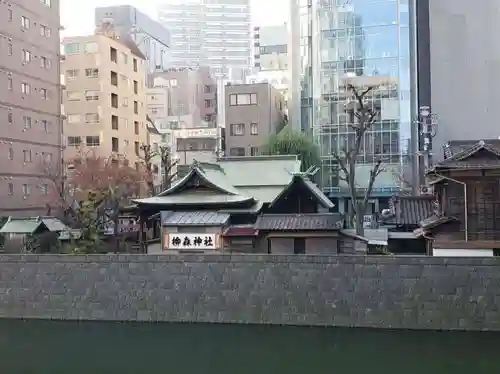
49 347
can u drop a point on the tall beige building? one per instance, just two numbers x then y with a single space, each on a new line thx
105 97
30 104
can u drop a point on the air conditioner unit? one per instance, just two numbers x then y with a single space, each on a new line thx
425 190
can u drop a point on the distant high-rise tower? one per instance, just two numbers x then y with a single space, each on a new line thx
215 33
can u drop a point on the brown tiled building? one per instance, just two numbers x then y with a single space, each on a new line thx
30 102
253 112
467 191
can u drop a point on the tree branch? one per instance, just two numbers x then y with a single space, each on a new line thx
374 173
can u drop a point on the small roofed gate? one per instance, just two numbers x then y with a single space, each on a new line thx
299 233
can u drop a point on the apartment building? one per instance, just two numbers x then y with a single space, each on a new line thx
151 38
213 33
192 97
105 97
187 143
30 104
253 112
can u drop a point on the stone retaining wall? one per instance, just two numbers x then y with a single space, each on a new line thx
387 292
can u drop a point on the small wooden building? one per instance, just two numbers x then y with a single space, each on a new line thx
405 216
467 188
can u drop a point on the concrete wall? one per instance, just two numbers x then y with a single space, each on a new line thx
401 292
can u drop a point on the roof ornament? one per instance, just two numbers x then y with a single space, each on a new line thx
481 143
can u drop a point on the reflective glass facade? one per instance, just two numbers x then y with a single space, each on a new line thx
363 43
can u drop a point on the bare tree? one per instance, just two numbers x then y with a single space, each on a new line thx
363 118
168 166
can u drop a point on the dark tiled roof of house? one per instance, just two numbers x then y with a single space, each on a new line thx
410 210
299 222
462 152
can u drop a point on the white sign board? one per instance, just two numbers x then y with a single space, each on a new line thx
182 241
196 133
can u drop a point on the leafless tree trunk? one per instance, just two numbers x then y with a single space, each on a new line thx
346 158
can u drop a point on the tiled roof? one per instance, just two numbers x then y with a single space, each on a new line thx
241 230
29 225
462 152
194 218
299 222
435 221
313 189
410 210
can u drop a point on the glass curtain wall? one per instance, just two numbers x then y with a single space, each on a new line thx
363 43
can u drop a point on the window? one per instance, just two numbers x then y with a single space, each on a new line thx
113 54
45 62
114 100
73 95
92 73
74 141
91 95
125 102
44 93
74 118
25 88
9 84
26 190
9 15
91 47
237 151
124 58
254 129
72 74
173 82
27 155
136 148
208 103
10 188
254 151
26 56
114 122
44 189
11 153
27 122
237 129
136 87
135 65
10 119
93 141
114 78
243 99
72 48
9 49
45 31
114 144
46 2
46 125
136 127
124 123
136 107
91 118
25 22
207 88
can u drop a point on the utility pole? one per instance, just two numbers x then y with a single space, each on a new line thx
427 130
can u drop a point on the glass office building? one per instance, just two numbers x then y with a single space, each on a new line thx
363 43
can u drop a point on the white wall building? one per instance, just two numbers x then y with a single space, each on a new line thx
214 33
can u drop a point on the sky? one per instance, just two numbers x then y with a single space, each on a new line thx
77 16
